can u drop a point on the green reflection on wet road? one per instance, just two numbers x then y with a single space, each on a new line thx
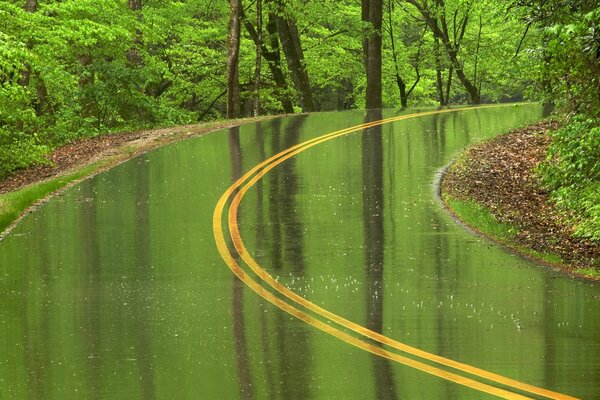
115 289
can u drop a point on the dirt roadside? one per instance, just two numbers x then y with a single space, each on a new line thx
115 148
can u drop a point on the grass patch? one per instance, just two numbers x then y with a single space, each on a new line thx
589 272
13 204
548 258
479 217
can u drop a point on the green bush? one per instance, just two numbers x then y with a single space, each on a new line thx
572 173
18 150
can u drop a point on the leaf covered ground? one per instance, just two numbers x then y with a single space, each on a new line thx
500 175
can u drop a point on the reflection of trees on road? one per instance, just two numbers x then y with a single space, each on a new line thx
373 225
286 229
142 282
287 253
284 343
91 291
260 240
36 318
237 287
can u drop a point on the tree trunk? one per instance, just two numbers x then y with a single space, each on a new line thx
477 50
365 34
133 55
439 83
471 88
31 5
372 10
273 58
437 22
257 67
402 87
452 50
449 83
290 43
233 50
399 81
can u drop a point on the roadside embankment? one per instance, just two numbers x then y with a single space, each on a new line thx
493 188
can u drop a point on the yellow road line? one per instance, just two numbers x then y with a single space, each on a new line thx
277 159
244 277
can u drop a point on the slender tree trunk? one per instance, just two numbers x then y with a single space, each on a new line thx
31 5
439 82
257 67
477 50
469 86
274 59
438 24
399 81
402 88
452 50
415 64
290 43
133 55
233 50
449 83
372 12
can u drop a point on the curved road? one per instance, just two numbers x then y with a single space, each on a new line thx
349 281
301 308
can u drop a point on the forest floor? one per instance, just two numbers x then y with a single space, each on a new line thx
499 175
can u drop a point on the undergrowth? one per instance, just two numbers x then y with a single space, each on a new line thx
572 173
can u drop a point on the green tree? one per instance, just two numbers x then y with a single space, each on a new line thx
570 75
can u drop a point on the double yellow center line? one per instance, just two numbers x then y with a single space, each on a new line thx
290 300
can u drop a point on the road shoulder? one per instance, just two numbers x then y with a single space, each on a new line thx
492 187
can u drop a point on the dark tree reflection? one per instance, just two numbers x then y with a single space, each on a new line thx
237 287
142 273
287 251
373 225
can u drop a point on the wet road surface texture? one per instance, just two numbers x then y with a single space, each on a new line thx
352 282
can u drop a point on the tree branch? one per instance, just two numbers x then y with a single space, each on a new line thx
325 38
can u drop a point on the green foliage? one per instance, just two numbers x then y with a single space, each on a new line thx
571 71
572 172
18 150
77 68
